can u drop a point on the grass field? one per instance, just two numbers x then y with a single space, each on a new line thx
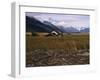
49 51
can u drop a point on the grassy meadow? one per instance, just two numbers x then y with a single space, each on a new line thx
49 51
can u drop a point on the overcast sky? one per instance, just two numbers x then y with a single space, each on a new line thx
66 20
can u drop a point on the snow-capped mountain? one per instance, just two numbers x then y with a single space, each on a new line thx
35 25
85 30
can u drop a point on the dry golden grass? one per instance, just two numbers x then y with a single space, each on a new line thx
51 51
69 42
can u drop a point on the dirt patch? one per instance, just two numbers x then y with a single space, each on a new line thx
40 57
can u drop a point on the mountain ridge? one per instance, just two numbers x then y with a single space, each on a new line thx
34 25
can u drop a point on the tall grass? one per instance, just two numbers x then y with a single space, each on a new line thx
68 43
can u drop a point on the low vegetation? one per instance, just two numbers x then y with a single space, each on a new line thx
49 51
